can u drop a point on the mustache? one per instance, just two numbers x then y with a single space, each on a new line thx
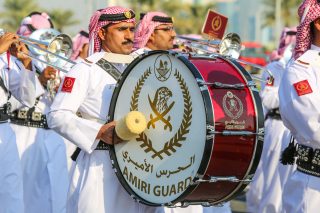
128 41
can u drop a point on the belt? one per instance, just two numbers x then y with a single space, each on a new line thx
30 119
5 113
308 160
273 114
102 146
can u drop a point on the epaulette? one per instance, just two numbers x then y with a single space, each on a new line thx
308 58
86 61
302 62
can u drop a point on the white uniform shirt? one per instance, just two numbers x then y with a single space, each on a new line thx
269 93
90 95
299 95
301 112
19 81
88 88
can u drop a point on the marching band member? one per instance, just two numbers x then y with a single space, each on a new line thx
88 88
80 49
154 32
15 80
265 192
42 151
299 96
80 46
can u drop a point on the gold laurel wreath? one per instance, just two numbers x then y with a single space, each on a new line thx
175 141
134 107
137 90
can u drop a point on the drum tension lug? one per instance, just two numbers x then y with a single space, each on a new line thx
219 85
185 204
108 119
233 179
210 132
134 198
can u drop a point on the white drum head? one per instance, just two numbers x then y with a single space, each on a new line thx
160 163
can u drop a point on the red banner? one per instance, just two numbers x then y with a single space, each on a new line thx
215 24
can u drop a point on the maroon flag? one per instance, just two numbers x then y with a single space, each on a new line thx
215 24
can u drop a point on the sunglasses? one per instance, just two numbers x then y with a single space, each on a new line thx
168 28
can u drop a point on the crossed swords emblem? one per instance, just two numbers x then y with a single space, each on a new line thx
160 108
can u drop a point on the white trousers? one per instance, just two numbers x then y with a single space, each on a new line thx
44 166
301 194
94 187
265 192
11 188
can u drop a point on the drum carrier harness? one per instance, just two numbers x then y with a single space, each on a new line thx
6 108
111 70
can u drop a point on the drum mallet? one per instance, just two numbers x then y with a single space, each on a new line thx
131 125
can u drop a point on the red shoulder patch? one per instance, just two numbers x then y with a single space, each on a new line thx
302 87
68 84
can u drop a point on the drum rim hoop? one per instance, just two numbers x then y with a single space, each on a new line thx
207 100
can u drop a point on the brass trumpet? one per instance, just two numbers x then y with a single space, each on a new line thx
58 47
57 53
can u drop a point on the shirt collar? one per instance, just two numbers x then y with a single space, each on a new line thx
314 47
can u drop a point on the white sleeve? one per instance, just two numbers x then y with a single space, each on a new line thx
301 113
269 93
62 116
22 83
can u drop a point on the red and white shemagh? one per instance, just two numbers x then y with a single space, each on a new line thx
37 21
285 40
308 12
145 28
95 25
77 43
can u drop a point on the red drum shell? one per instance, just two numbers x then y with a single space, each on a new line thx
232 155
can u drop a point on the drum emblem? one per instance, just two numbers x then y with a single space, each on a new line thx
160 107
216 23
162 67
232 105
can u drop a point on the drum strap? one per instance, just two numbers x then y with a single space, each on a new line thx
75 154
101 146
116 74
109 68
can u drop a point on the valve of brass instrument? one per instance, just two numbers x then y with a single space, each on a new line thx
131 125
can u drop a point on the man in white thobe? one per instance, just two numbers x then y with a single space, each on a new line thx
299 96
15 79
88 89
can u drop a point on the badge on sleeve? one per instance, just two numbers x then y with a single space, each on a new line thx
302 87
270 81
67 84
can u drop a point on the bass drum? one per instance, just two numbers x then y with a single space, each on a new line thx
204 133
